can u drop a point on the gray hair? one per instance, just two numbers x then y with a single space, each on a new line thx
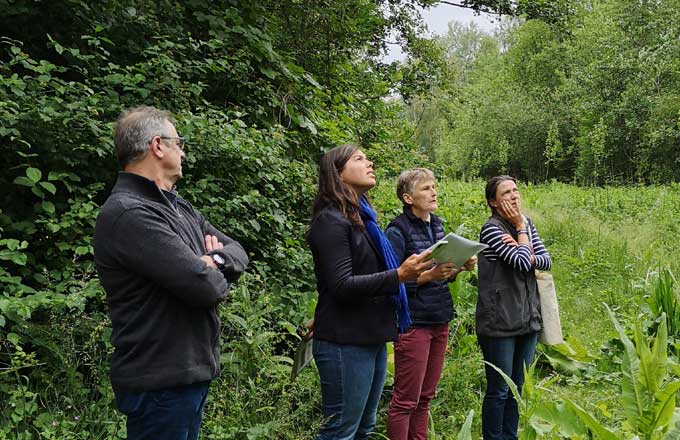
406 183
134 129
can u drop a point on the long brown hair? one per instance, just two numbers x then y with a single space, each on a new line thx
332 190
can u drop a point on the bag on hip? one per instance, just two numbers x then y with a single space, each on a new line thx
550 310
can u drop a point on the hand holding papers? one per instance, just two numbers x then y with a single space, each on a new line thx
455 249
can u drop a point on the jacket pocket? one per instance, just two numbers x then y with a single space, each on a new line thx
486 311
510 310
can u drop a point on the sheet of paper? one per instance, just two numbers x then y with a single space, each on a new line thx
303 355
455 249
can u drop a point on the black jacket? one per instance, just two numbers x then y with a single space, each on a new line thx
429 303
508 303
352 282
162 298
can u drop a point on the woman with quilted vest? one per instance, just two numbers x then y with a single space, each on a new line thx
508 316
419 352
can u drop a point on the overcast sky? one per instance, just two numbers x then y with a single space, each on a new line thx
437 19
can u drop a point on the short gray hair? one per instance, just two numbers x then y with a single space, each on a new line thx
406 183
134 129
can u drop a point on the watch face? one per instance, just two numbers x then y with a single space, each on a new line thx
218 259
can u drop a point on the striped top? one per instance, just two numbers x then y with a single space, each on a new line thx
519 257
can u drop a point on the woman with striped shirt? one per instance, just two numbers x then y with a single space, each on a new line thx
508 316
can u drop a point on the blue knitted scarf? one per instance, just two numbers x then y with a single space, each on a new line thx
383 244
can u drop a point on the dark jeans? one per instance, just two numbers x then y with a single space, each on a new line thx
499 410
169 413
352 379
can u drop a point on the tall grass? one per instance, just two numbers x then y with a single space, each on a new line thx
603 242
664 299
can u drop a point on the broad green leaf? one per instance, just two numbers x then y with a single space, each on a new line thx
269 73
511 385
562 363
557 414
632 394
13 338
664 406
601 432
82 250
15 257
48 206
23 181
652 362
49 187
34 174
37 191
239 320
290 328
255 224
466 430
674 432
282 360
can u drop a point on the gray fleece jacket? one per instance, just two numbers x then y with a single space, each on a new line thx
161 297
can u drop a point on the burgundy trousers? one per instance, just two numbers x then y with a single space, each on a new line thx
418 361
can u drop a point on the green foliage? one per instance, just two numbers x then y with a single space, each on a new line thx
465 431
578 91
529 401
663 300
260 90
648 393
602 241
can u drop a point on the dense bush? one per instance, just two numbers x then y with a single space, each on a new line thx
257 107
589 97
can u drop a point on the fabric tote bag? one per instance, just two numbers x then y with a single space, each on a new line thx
550 310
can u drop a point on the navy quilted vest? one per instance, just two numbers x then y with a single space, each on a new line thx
430 303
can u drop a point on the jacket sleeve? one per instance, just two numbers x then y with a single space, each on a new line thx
398 242
234 255
542 259
519 257
144 245
394 235
329 239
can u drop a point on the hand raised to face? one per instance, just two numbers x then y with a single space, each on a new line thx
511 212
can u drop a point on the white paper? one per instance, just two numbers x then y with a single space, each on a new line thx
455 249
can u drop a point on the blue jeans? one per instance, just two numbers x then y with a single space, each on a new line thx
499 410
352 379
169 413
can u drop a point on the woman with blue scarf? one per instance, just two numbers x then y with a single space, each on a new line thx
362 300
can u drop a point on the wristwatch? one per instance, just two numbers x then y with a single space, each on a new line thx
219 261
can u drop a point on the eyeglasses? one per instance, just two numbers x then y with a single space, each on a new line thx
180 141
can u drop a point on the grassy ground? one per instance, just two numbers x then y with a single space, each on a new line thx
604 243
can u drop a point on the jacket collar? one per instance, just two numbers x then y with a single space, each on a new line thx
134 183
370 242
434 220
505 223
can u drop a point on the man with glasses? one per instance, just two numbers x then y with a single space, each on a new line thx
165 269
